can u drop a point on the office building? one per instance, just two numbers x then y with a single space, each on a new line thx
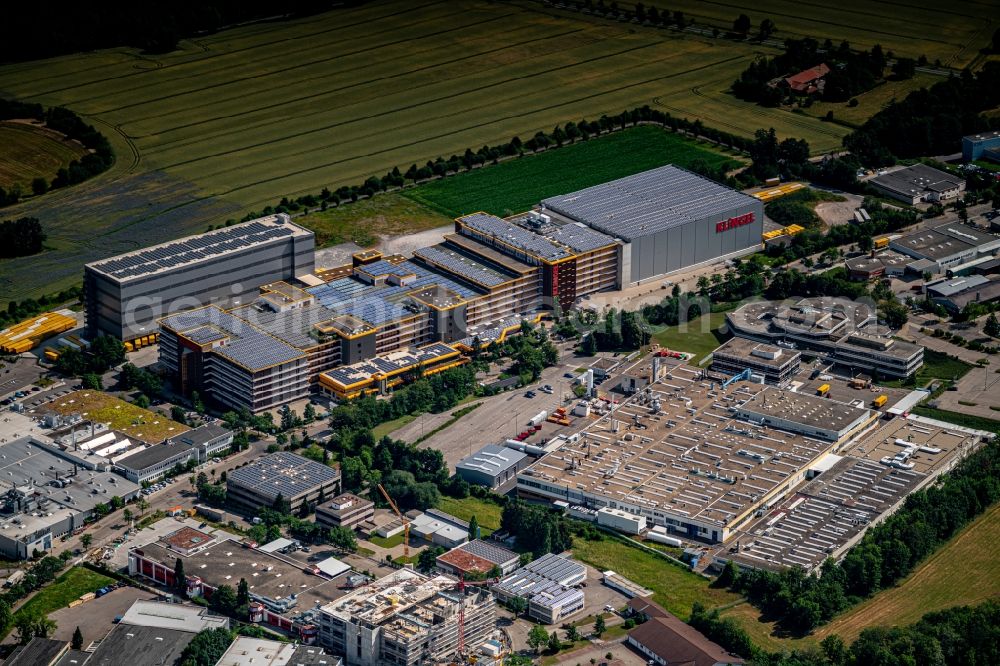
838 330
295 479
406 619
777 365
124 296
153 461
346 510
919 183
246 651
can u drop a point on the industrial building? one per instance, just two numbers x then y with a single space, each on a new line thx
667 640
407 619
47 492
838 330
296 479
247 651
478 556
982 146
494 467
549 585
918 183
956 293
947 245
438 528
124 296
346 510
149 462
777 365
689 453
667 219
872 267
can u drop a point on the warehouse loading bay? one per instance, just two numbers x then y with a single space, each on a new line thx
764 496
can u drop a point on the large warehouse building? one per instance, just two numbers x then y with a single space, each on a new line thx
668 220
125 295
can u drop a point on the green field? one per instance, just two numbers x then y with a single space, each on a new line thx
937 365
64 589
871 102
517 185
699 337
953 33
365 221
29 152
233 121
674 587
487 513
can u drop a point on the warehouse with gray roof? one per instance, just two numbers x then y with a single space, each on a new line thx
668 220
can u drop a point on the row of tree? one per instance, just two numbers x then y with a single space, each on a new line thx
538 529
888 552
21 237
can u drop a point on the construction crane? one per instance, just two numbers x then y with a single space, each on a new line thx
402 518
460 586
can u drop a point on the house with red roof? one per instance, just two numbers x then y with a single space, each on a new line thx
808 81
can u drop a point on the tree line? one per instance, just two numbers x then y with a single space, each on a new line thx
21 237
887 553
99 157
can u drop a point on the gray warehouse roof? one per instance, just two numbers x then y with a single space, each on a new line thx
492 459
648 202
140 646
282 472
913 180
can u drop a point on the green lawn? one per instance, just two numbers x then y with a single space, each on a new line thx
487 513
937 365
966 420
389 427
365 221
674 587
390 542
517 185
64 589
700 336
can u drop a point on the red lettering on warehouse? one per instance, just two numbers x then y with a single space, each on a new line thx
733 222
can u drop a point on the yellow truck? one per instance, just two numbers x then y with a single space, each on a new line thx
823 390
880 401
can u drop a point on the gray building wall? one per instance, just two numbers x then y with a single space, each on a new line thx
691 244
130 309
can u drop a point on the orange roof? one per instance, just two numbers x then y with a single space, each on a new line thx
802 80
463 561
187 538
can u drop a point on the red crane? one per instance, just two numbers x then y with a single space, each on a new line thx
460 586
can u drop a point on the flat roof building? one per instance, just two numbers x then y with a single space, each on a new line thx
917 183
985 145
777 365
438 527
181 617
841 331
406 619
295 478
346 510
947 245
668 219
493 466
959 292
124 296
38 652
808 415
871 267
140 646
150 462
548 585
246 651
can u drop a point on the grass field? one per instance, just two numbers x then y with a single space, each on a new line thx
953 33
517 185
938 365
390 542
30 152
121 415
64 589
699 337
389 427
871 102
487 513
233 121
675 587
363 222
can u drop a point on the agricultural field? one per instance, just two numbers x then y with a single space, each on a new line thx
30 151
231 122
517 185
120 415
871 102
952 33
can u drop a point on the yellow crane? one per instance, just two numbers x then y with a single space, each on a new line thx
402 518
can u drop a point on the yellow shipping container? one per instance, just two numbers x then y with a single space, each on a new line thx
823 390
881 400
128 347
882 242
28 334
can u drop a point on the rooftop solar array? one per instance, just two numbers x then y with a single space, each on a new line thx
510 234
291 326
192 249
462 265
287 473
247 346
347 375
648 202
579 237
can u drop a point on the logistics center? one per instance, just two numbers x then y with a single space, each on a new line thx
287 328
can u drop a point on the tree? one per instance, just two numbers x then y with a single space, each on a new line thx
224 600
92 380
77 642
537 638
992 326
180 581
554 643
904 68
599 626
127 515
572 633
343 538
767 28
741 26
281 505
207 647
179 414
143 507
518 606
427 559
86 540
242 593
309 413
473 528
729 576
39 186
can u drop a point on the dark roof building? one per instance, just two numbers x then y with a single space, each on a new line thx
295 478
917 183
38 652
140 646
493 466
668 641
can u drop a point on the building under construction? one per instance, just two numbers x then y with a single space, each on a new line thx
406 619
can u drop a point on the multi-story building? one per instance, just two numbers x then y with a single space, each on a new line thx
777 365
406 619
346 510
294 478
841 331
124 296
982 146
